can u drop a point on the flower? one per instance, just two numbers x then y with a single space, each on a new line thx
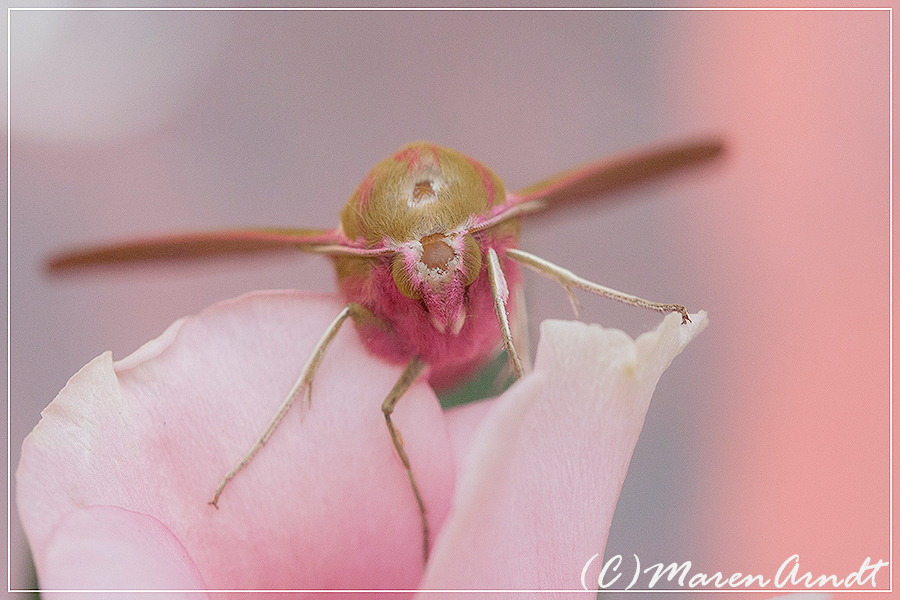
115 481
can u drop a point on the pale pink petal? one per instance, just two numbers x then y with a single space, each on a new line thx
326 504
110 548
539 485
462 424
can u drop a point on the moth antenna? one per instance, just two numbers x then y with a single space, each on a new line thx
302 387
568 279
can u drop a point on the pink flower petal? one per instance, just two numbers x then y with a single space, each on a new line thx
326 504
537 491
463 422
107 547
126 458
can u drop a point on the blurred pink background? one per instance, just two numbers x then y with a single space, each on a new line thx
768 437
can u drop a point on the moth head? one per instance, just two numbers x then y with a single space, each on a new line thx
434 262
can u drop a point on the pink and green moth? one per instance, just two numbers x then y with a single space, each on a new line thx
427 261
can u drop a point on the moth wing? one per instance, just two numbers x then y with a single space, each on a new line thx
606 176
193 245
619 171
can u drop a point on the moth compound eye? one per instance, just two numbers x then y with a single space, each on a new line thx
436 253
471 258
402 277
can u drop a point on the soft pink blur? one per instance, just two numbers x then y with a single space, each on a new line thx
800 250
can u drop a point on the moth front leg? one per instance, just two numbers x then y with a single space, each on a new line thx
363 317
412 372
500 292
567 279
302 387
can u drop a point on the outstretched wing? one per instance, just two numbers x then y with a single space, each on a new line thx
604 177
193 245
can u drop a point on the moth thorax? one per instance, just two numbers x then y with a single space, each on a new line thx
423 186
423 190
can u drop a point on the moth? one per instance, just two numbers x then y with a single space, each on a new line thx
426 255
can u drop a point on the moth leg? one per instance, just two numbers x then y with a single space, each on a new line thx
519 329
568 280
412 371
500 292
301 388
